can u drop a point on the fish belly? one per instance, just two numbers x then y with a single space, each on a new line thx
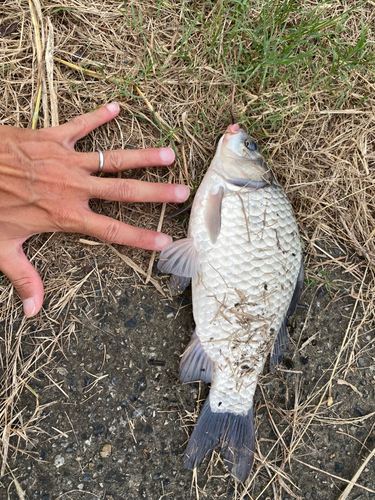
244 288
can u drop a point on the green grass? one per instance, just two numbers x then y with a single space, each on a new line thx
321 279
282 51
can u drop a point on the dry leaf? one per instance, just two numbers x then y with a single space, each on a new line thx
62 371
341 381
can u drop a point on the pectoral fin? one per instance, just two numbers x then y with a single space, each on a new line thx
177 284
180 258
213 214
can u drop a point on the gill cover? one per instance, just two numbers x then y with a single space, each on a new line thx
239 160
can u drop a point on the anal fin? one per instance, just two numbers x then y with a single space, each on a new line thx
195 363
234 434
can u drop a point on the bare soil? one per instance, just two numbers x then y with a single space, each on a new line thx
116 419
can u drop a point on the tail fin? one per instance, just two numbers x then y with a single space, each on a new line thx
234 434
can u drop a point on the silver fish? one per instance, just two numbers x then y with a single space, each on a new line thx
244 255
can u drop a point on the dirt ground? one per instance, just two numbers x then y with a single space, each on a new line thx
91 406
116 419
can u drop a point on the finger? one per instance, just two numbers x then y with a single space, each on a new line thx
82 125
15 265
112 231
120 160
131 190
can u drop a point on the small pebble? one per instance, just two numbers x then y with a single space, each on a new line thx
157 476
98 429
148 309
141 384
59 461
361 362
131 323
148 430
133 398
169 309
115 381
339 467
124 303
115 477
86 477
106 451
46 496
138 412
80 486
304 361
360 411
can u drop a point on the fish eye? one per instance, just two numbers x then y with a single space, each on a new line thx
251 145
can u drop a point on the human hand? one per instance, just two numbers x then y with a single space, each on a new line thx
45 186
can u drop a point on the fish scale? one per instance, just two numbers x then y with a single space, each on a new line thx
243 263
244 256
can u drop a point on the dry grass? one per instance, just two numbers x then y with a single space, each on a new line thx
172 66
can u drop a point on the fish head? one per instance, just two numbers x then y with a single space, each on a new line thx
241 162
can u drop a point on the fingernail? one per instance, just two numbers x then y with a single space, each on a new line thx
166 155
162 240
113 107
28 307
181 192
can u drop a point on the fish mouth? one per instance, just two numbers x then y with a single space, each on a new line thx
234 129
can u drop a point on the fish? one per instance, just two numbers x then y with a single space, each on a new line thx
244 257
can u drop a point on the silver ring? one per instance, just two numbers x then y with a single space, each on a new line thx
101 161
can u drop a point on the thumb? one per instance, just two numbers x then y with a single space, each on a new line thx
15 265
